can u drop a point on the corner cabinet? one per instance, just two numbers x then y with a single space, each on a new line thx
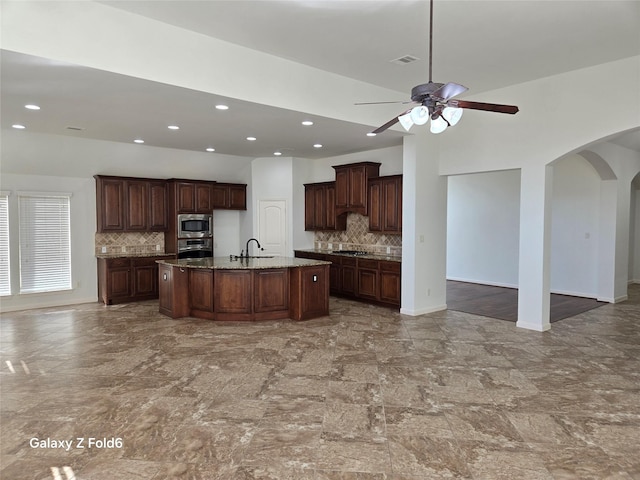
385 204
126 204
320 207
351 186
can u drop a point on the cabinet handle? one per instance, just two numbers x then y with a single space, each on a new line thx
182 270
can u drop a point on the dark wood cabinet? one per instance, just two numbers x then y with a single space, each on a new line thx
173 289
128 279
110 209
320 209
372 280
233 293
390 279
201 292
229 196
351 186
271 290
385 204
192 196
126 204
309 290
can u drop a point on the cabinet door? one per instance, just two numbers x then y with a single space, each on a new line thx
271 290
119 283
220 196
375 205
201 289
367 283
392 205
320 221
137 198
342 188
110 203
348 279
203 198
358 188
145 281
158 219
309 207
335 277
390 279
185 197
233 291
238 197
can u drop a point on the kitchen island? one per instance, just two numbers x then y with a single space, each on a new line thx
233 288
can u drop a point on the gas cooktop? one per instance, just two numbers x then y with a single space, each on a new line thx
351 252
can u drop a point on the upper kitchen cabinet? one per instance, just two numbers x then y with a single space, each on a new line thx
320 207
192 196
229 196
351 186
385 204
126 204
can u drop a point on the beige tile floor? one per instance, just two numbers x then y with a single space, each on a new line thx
364 394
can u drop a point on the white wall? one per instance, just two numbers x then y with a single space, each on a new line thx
634 258
483 228
83 221
575 227
483 215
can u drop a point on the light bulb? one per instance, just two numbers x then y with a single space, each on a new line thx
405 121
420 115
452 115
438 125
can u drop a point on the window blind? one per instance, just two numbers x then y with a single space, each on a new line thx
45 242
5 279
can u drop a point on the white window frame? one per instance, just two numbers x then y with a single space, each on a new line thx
44 227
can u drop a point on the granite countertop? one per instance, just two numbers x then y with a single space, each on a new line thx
371 256
225 263
133 255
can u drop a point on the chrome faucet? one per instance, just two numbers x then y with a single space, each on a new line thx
257 243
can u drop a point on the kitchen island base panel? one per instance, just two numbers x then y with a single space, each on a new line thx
298 292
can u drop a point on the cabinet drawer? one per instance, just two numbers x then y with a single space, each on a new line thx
143 261
348 261
371 264
386 266
118 262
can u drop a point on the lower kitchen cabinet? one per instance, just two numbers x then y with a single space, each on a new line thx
128 279
371 280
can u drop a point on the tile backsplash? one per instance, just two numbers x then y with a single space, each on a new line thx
131 242
358 237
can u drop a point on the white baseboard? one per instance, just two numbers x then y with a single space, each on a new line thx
422 311
619 299
45 304
533 326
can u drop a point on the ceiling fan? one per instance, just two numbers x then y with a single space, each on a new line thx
436 101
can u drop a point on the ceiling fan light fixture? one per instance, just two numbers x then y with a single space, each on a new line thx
438 124
452 115
419 115
405 121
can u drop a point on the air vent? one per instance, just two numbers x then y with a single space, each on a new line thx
75 128
404 60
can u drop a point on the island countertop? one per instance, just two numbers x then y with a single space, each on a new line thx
256 263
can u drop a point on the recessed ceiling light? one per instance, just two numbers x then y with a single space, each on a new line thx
173 127
317 145
307 122
251 139
32 107
277 154
138 140
211 149
222 107
371 134
18 126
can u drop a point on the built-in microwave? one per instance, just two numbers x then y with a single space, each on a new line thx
192 225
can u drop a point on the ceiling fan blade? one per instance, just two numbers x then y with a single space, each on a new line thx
489 107
390 123
378 103
447 91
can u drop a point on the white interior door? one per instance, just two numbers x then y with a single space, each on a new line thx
272 227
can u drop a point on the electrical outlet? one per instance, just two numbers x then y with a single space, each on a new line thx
104 250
